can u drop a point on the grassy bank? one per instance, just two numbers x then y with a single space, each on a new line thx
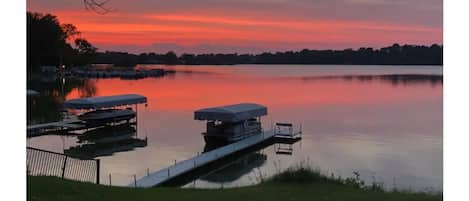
293 184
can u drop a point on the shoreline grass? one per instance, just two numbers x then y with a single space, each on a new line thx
299 183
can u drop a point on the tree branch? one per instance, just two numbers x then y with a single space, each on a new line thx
97 6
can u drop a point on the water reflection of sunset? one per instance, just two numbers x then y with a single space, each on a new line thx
183 93
373 119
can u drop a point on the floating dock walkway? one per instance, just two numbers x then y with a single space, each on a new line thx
53 127
173 171
61 127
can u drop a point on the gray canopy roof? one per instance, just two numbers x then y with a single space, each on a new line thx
105 101
231 113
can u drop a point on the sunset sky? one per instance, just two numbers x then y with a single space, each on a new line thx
251 26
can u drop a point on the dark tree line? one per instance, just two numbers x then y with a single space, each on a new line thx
54 44
392 55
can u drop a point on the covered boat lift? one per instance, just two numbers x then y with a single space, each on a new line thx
232 122
106 102
91 103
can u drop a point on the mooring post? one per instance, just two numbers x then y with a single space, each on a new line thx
63 167
136 115
97 170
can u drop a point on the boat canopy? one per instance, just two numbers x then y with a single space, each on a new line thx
99 102
231 113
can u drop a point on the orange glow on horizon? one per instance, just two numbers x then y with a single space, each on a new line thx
147 29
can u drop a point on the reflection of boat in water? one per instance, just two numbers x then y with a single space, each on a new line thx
108 134
104 116
237 169
105 141
105 149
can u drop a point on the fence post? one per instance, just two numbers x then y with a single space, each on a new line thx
63 167
110 183
135 181
97 170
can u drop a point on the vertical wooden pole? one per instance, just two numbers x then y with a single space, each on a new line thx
97 170
136 119
135 181
63 167
110 183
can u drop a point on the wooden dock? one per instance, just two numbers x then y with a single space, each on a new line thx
59 126
182 167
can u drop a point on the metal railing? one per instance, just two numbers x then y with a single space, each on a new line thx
47 163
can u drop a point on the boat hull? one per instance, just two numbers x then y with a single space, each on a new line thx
103 117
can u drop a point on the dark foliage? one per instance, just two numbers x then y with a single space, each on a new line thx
47 43
393 55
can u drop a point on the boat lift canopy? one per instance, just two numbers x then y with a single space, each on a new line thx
105 101
231 113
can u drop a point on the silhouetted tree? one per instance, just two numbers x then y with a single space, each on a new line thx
48 43
171 58
86 51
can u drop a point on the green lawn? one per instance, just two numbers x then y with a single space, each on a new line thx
293 185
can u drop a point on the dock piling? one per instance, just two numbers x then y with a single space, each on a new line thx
63 167
97 170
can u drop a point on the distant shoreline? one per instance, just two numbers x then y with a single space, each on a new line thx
241 64
391 55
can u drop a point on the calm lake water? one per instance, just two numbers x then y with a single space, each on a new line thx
386 122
